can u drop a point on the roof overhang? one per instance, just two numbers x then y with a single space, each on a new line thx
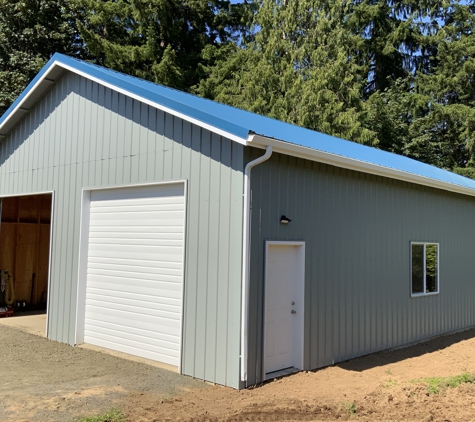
311 154
232 130
55 69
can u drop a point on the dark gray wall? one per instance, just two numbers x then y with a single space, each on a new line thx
358 229
82 134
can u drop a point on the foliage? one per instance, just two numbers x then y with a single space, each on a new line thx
439 384
393 74
159 40
30 32
113 415
300 67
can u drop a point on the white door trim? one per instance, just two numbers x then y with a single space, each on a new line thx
50 258
300 292
83 255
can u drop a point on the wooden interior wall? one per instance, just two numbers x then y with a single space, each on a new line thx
24 245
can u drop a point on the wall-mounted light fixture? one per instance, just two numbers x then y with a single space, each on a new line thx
285 220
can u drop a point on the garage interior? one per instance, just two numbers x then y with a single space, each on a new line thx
25 227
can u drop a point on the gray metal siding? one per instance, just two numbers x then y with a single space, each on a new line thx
358 228
82 134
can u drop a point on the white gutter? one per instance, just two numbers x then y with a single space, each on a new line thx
246 247
356 165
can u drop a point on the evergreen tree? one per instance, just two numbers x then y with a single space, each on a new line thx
430 115
301 67
159 40
30 32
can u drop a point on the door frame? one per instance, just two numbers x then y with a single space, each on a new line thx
50 258
299 290
84 248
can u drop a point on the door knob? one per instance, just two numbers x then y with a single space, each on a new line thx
293 311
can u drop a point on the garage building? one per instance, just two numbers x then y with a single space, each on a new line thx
229 245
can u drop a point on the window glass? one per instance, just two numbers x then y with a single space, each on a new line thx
417 268
431 268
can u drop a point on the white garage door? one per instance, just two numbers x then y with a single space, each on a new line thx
135 271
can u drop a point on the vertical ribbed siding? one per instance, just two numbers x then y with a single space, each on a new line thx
358 228
82 134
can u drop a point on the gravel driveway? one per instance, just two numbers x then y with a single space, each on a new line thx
42 380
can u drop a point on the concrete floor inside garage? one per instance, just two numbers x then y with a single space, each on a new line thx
33 322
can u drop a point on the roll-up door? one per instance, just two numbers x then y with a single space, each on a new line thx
135 271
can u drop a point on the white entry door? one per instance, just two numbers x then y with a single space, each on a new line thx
284 306
133 300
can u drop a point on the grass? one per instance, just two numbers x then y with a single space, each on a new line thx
351 407
390 383
112 415
438 384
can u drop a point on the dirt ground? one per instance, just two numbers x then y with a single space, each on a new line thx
41 380
47 381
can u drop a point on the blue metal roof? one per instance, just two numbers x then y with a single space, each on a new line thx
241 123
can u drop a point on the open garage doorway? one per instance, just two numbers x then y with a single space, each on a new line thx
25 231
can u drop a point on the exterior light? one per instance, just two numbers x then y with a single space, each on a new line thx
285 220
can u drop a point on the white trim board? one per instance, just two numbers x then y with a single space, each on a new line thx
83 256
171 111
50 257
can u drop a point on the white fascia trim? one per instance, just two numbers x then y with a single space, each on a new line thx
352 164
125 92
19 107
156 105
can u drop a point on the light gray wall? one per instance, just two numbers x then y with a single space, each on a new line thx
84 135
358 229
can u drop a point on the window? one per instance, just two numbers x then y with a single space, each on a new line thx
424 268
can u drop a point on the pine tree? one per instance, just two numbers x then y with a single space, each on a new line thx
30 32
301 67
158 40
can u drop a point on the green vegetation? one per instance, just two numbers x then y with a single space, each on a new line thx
390 383
113 415
392 74
439 384
351 407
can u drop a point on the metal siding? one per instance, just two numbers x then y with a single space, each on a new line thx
358 228
84 135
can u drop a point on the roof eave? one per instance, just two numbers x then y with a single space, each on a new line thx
55 69
299 151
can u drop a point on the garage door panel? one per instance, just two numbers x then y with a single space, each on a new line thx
138 207
115 308
105 219
135 275
151 274
160 300
132 339
135 263
170 290
131 201
173 256
143 192
97 326
124 319
170 360
98 267
134 234
165 282
157 242
135 271
132 230
166 304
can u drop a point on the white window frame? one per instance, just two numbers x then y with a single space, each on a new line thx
424 269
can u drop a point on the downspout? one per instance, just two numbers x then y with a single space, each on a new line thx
246 248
